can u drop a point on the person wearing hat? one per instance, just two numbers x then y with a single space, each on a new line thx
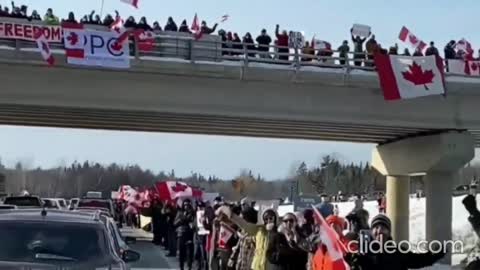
248 212
387 255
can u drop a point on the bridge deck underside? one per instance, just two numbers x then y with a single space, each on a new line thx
67 117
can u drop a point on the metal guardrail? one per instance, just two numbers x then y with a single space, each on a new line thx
210 48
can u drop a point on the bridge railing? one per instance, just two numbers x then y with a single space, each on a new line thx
210 48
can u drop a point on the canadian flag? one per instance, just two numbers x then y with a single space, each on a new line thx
224 235
74 40
127 193
462 67
196 29
408 37
171 190
146 40
44 48
321 44
332 241
464 45
117 25
131 2
405 77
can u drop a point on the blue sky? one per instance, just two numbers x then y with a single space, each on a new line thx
439 20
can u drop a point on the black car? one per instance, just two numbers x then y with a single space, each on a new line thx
39 239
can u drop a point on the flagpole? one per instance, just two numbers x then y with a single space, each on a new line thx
101 9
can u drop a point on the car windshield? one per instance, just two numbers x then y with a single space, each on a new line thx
57 242
22 201
50 204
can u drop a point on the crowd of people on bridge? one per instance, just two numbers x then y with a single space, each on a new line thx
261 47
233 235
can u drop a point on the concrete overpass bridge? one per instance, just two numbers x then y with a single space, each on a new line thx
435 136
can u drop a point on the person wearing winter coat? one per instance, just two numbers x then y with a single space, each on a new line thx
470 204
250 44
207 30
171 25
418 52
325 207
358 217
322 259
343 52
371 46
282 41
387 254
406 52
358 48
264 41
286 248
50 18
156 27
130 23
432 50
184 27
184 223
449 51
142 24
237 44
261 233
71 18
308 50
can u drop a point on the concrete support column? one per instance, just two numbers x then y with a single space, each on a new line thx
438 191
398 189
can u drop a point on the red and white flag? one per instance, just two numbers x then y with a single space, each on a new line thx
133 3
44 48
224 235
146 40
405 77
117 25
465 46
74 40
196 28
462 67
332 241
171 190
408 37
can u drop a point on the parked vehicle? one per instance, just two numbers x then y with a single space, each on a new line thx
59 239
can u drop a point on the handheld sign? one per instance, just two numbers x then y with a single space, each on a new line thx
361 30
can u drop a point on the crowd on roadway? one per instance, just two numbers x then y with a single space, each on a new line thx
225 235
233 44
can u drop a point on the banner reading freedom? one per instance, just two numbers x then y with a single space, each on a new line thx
26 31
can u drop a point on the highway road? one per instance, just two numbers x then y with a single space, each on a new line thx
152 257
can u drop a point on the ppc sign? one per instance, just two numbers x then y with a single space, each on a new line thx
99 49
26 31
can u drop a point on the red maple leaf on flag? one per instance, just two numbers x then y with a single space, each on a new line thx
117 46
179 187
73 38
418 76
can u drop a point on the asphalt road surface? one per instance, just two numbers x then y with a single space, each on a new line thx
152 257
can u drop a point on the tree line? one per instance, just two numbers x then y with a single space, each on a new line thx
329 177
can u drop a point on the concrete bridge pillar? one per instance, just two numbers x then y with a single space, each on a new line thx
439 157
398 205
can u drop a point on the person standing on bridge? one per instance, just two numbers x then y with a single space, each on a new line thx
358 49
282 42
50 18
185 222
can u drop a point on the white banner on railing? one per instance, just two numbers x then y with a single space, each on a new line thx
296 40
26 31
100 49
361 30
461 67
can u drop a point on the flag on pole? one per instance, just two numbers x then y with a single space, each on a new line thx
44 48
408 37
196 29
133 3
332 241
